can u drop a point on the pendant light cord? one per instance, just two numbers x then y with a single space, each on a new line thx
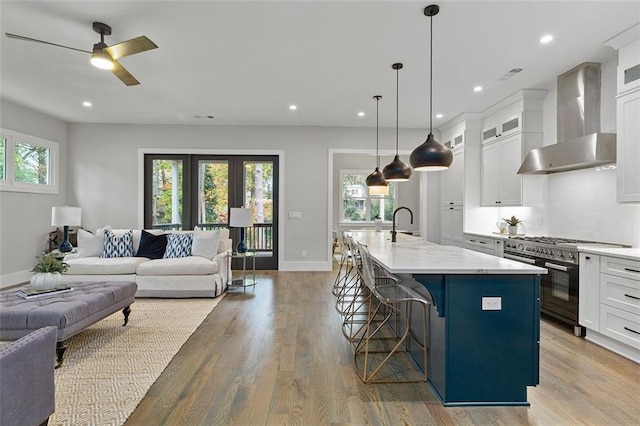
431 78
377 114
397 104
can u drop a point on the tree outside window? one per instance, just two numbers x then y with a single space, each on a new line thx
358 205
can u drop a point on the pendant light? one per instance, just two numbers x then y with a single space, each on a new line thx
375 181
397 170
431 155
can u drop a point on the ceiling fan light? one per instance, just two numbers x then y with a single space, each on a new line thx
431 156
101 59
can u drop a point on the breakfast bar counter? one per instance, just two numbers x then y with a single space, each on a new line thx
484 326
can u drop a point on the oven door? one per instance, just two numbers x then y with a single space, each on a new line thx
559 291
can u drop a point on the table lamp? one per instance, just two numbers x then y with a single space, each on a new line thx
241 217
65 216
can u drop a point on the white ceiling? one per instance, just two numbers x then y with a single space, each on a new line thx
245 62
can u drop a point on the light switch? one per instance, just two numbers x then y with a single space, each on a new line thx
295 215
492 303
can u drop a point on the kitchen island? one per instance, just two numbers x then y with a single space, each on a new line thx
484 326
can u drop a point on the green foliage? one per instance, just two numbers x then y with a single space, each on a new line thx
513 221
48 263
31 163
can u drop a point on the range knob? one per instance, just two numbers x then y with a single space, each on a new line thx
560 254
520 247
570 256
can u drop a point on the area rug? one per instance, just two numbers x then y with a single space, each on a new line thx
109 368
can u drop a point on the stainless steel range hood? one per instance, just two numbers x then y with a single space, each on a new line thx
580 143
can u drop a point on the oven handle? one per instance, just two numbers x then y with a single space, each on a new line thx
557 267
518 258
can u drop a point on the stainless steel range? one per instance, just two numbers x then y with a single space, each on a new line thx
559 287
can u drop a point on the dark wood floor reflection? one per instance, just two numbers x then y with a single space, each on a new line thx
276 355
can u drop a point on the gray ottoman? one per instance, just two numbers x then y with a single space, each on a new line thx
70 312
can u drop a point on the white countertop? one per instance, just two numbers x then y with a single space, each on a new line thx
624 253
412 255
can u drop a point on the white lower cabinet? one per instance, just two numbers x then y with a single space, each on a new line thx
484 244
451 226
609 303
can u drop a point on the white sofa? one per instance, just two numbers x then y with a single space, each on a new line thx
204 273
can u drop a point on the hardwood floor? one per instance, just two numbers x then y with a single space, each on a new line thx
276 355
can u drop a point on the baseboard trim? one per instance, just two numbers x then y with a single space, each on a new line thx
306 266
15 278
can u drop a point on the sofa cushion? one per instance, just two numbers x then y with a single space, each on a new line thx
178 245
89 244
152 246
104 265
191 265
117 245
205 243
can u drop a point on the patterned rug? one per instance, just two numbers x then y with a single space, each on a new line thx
109 368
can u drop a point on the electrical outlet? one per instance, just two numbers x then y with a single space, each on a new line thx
303 253
492 303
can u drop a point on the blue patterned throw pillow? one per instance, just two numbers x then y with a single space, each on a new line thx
178 245
117 246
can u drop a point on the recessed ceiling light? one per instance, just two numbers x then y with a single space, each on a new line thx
546 39
361 114
87 104
439 115
293 107
477 89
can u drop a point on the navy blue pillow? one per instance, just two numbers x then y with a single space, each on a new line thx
152 246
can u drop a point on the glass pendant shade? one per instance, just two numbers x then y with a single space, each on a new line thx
431 156
397 170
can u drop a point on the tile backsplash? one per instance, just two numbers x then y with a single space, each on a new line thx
582 204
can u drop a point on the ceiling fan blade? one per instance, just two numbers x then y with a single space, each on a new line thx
131 47
19 37
124 75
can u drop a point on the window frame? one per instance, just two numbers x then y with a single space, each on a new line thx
9 183
368 198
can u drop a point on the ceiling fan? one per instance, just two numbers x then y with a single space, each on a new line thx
106 57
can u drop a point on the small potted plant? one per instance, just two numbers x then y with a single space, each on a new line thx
47 273
512 222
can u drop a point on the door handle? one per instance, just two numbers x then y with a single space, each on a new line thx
631 330
632 297
556 267
632 270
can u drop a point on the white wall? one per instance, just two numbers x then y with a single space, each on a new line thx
103 174
25 218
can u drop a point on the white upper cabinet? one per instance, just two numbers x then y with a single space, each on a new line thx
501 127
507 136
452 180
628 147
628 114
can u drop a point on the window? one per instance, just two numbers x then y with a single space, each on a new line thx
27 163
357 205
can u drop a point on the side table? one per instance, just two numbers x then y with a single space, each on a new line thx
244 282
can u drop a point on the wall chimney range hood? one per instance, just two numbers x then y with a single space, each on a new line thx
580 144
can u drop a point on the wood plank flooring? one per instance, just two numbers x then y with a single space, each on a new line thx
276 355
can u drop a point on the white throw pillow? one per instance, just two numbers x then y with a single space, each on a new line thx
90 245
205 243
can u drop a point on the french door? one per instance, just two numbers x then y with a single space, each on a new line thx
184 191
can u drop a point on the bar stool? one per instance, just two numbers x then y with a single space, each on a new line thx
386 303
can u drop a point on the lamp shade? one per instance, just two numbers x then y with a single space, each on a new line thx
66 216
241 217
431 156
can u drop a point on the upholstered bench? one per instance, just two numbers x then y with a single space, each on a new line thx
70 312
